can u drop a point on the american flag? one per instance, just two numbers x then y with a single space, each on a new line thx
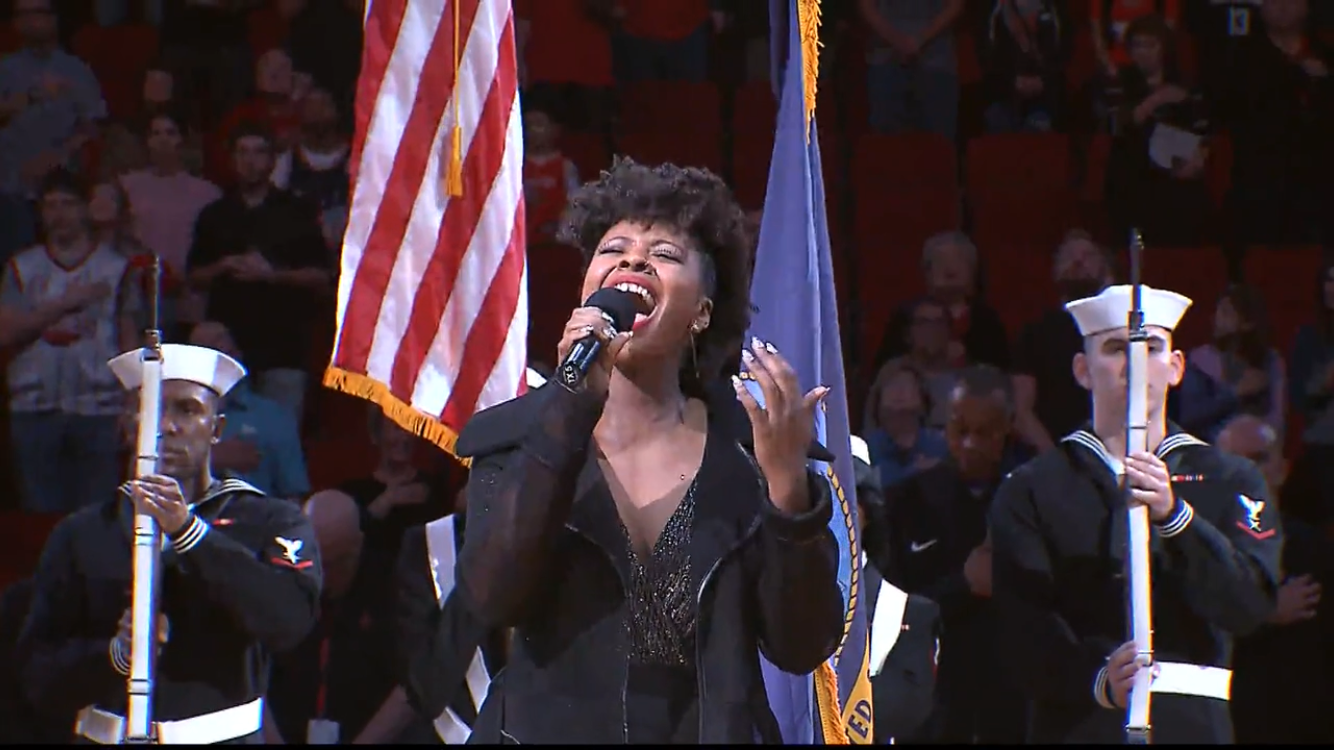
432 300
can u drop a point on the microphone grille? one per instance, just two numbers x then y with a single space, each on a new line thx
619 306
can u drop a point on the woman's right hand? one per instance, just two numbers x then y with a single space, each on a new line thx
587 321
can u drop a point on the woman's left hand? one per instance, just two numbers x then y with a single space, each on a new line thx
782 427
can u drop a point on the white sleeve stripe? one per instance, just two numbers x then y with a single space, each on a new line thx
119 661
1100 689
194 533
1178 522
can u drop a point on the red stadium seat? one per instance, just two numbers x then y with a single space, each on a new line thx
1019 283
1218 170
555 278
1289 279
671 106
1017 217
23 535
1199 273
682 149
750 168
9 39
1018 161
754 110
911 160
588 151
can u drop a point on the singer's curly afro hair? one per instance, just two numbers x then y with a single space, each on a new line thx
697 203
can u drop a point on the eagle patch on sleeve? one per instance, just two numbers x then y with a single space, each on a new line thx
1252 524
291 554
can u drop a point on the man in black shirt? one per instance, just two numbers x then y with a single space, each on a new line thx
1284 682
939 549
1049 402
1280 117
260 253
1217 26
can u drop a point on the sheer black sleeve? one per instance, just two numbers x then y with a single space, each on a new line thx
801 606
519 496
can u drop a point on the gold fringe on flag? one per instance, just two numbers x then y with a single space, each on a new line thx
808 23
454 168
826 697
403 413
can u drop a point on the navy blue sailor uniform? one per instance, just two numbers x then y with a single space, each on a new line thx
447 654
240 582
1059 586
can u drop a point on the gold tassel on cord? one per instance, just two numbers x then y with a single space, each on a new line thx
454 168
808 23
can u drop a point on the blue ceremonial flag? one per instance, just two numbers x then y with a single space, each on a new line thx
797 311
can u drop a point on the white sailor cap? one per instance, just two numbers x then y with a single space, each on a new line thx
860 449
196 364
1111 309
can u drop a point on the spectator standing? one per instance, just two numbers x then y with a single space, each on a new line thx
913 79
316 167
952 275
316 29
1049 402
260 440
1281 120
900 441
1156 187
259 253
272 105
665 40
1311 365
65 403
1242 359
548 177
1024 48
165 201
50 103
565 48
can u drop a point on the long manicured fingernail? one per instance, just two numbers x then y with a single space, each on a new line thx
770 348
736 383
824 391
756 344
746 356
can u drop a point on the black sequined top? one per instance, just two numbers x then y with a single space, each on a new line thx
662 700
662 598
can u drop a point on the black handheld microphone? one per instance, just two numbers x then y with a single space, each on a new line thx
618 309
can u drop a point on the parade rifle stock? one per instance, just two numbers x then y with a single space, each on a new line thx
1138 725
139 725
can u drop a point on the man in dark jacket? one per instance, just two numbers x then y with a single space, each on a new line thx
905 629
942 551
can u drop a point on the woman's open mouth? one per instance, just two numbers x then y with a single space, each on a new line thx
645 303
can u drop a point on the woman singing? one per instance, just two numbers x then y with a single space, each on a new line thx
646 539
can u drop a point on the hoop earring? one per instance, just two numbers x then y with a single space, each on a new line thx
694 352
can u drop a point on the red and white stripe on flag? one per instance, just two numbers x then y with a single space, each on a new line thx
432 298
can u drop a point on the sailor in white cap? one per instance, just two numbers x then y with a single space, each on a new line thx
240 580
1059 540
